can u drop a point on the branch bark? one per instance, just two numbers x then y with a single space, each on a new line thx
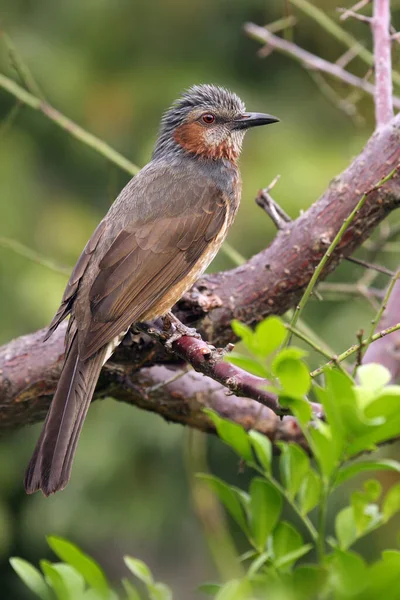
380 25
269 283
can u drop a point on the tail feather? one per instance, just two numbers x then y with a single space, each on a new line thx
50 465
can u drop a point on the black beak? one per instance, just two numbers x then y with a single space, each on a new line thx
247 120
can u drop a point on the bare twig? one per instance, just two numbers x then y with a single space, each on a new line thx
32 255
367 265
347 12
356 15
21 67
72 128
383 62
310 61
326 22
275 212
356 348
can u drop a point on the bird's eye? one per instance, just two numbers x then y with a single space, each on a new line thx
208 118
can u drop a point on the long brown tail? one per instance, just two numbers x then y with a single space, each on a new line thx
50 466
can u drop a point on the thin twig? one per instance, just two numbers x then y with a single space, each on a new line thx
21 67
332 247
355 348
367 265
343 104
32 255
383 62
316 347
162 384
72 128
347 12
282 24
381 309
322 18
357 16
360 334
310 61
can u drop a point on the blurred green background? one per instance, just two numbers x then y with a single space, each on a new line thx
114 66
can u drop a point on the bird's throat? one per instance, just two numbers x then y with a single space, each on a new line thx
190 136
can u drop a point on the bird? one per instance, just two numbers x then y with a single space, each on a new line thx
158 237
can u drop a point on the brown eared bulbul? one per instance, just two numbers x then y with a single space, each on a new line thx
158 237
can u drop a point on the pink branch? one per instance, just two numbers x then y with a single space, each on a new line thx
383 62
386 351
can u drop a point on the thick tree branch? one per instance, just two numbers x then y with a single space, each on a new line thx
270 283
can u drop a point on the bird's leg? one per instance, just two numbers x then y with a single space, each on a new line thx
172 324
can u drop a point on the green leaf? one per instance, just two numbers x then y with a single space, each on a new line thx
373 489
159 591
32 577
232 434
291 557
309 492
285 540
324 448
248 364
299 407
385 576
84 564
294 465
257 564
350 572
209 588
73 580
293 375
391 504
130 590
345 527
373 376
139 569
55 580
262 448
228 498
269 335
266 507
94 595
366 515
308 580
383 429
348 471
237 589
243 331
341 409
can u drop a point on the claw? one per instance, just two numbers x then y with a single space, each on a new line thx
179 330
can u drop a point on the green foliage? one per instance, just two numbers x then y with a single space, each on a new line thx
79 577
289 556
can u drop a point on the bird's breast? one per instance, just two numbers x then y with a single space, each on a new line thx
176 292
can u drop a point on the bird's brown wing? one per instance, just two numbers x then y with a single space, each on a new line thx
144 263
74 280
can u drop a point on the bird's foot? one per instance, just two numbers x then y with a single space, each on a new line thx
176 330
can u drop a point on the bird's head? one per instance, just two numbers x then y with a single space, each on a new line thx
208 121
